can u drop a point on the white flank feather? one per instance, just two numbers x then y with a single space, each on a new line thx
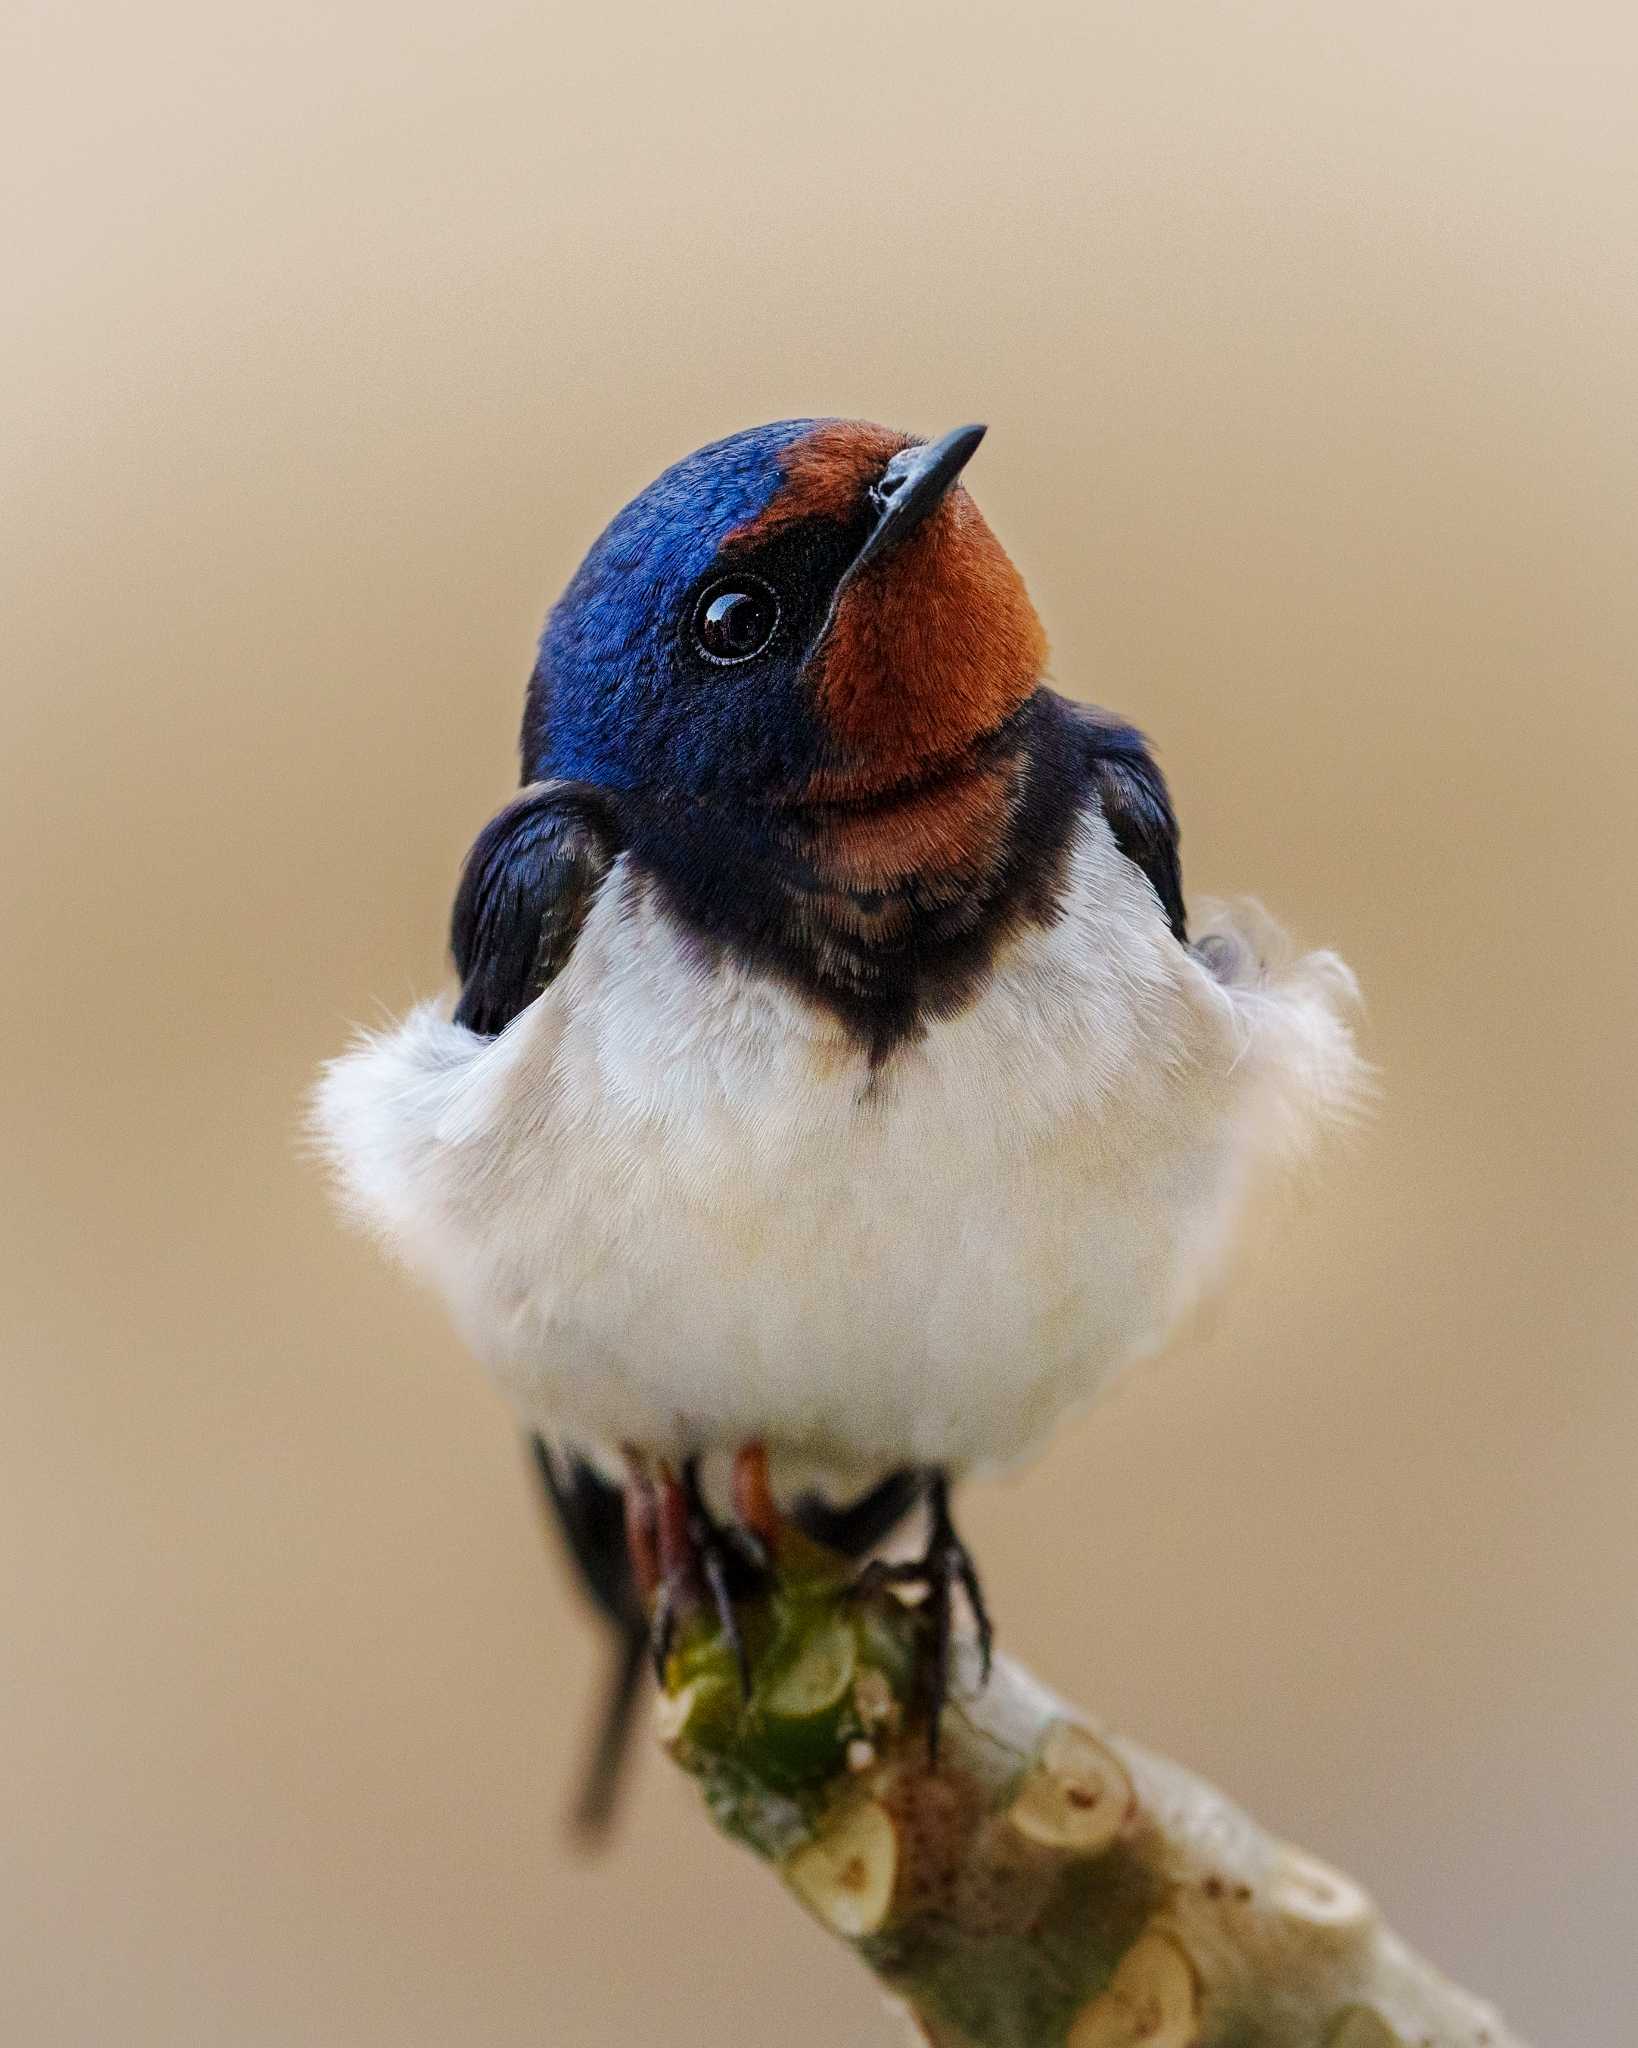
672 1206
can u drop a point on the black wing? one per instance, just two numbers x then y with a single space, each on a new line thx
527 885
1137 807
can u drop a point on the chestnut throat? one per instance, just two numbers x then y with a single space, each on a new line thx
888 910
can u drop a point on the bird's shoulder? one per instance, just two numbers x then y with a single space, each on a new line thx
524 893
1122 776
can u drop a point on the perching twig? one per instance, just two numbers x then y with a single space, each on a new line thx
1045 1884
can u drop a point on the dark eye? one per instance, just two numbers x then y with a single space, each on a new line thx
733 621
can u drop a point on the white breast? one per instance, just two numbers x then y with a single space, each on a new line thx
671 1204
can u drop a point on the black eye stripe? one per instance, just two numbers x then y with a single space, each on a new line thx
734 619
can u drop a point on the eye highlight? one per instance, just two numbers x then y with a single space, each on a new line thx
735 619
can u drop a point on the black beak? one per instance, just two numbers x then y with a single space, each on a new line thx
912 484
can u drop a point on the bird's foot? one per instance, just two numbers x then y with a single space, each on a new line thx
686 1561
945 1565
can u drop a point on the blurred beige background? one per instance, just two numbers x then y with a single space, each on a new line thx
1307 336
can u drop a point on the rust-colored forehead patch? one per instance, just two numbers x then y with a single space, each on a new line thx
826 473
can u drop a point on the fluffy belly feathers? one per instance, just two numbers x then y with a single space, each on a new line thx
673 1206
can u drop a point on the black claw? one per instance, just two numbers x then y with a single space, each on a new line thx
756 1559
716 1579
967 1573
662 1631
937 1687
732 1561
956 1564
943 1565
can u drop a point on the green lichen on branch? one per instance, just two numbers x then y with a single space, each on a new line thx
1043 1884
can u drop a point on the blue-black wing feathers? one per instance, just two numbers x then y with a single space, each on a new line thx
524 894
1137 807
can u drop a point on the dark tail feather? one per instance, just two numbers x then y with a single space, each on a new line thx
606 1770
863 1523
590 1514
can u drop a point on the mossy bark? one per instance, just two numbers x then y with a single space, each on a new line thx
1044 1884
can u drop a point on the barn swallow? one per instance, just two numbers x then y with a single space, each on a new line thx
833 1073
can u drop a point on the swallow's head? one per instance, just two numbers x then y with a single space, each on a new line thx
808 614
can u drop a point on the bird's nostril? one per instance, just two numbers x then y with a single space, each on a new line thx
890 486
